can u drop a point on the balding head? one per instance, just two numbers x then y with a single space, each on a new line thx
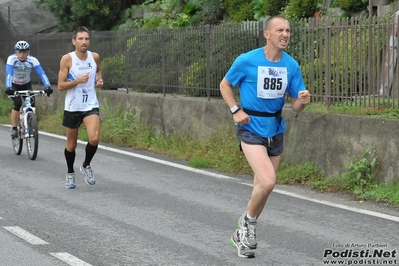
270 21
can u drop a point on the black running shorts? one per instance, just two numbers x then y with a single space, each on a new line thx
75 119
274 145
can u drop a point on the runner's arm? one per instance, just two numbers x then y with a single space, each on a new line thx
63 83
99 74
227 92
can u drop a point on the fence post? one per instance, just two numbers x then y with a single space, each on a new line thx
328 62
371 86
163 62
260 32
208 60
126 62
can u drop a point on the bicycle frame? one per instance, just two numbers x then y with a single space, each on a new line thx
25 109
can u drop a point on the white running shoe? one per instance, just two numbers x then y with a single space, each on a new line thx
242 251
248 228
89 177
70 181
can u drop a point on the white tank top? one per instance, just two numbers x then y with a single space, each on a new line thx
82 97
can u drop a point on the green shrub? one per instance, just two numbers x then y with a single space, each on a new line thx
300 9
353 5
211 12
113 69
153 23
349 51
195 75
361 172
224 49
239 10
274 7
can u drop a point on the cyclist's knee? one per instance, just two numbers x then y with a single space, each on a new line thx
17 104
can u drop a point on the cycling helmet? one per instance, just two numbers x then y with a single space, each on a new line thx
22 46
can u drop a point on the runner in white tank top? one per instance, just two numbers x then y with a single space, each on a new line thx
80 75
83 96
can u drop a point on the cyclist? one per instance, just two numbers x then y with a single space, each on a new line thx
18 69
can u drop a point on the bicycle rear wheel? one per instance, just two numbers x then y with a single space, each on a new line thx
32 141
18 142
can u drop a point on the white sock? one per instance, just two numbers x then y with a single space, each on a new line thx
250 217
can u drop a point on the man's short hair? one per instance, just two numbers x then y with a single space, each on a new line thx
79 29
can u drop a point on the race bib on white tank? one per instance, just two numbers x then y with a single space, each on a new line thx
272 82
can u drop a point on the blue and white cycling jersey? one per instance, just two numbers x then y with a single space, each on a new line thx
19 72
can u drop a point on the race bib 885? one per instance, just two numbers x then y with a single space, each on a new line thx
272 82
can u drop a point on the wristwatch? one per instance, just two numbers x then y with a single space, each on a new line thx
234 109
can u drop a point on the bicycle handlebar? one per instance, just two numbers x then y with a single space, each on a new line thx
28 93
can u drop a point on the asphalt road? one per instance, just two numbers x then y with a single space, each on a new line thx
146 209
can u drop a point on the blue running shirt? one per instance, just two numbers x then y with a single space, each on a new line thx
263 85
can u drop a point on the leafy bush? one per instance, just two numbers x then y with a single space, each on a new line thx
154 22
361 172
146 55
113 69
194 76
349 51
274 7
300 9
95 14
239 10
211 11
353 5
223 51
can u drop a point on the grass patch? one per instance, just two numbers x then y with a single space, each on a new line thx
386 193
300 174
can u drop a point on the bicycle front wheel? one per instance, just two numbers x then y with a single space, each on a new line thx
32 141
17 142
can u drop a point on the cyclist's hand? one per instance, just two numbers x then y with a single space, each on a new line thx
10 91
48 91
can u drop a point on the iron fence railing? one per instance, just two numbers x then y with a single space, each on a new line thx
344 61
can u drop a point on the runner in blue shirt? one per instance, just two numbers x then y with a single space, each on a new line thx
264 76
18 69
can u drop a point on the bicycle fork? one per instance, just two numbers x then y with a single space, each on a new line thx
25 127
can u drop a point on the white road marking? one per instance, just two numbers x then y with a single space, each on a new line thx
71 260
199 171
341 206
25 235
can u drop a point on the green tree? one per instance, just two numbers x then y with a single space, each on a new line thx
94 14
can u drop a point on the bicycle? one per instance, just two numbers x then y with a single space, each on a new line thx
27 126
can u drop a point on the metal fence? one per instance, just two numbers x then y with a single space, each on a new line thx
343 61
